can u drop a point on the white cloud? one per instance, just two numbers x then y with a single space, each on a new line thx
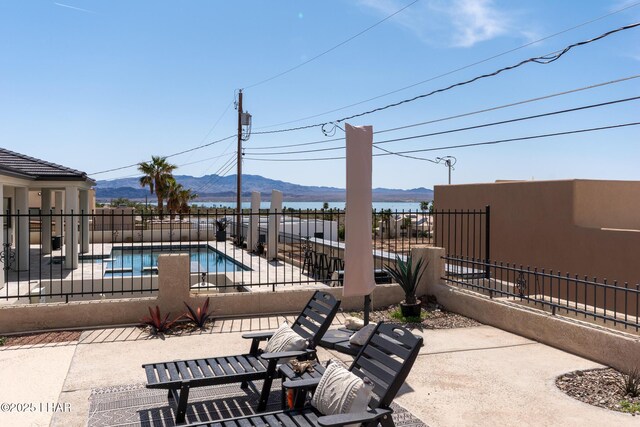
457 23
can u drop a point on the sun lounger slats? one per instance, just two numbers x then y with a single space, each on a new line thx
151 374
184 372
213 363
182 375
285 420
256 363
371 369
312 418
235 365
195 370
223 363
317 317
311 327
245 364
390 347
244 422
271 420
382 357
173 372
388 374
259 422
320 308
204 368
300 419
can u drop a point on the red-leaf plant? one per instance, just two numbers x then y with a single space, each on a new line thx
200 315
158 324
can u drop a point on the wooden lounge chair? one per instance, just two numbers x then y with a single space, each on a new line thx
181 375
386 359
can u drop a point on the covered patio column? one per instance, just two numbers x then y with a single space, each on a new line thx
59 210
71 227
22 232
45 219
2 233
84 221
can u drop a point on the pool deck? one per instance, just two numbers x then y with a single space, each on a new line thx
478 376
261 276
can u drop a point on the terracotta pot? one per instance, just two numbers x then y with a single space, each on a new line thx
411 310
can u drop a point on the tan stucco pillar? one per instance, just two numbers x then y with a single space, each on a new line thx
71 227
85 211
435 269
273 229
173 282
22 231
45 198
254 220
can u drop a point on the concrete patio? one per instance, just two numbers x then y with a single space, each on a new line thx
463 377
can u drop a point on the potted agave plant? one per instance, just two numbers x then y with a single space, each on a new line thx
221 230
408 275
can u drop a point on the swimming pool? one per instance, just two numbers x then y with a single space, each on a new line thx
141 261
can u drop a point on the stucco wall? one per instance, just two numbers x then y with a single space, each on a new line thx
563 226
603 345
173 288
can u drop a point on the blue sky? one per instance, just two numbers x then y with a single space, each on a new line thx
96 85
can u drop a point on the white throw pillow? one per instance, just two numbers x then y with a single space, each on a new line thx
341 392
361 337
285 339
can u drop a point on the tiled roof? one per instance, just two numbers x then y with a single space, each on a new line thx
18 164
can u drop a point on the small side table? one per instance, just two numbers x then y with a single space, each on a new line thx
300 396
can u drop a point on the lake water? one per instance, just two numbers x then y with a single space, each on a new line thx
394 206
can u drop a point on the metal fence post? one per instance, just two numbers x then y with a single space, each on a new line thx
487 242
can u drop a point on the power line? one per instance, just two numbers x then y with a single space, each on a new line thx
455 70
476 144
543 60
404 155
224 169
456 116
205 160
220 176
483 125
167 156
330 49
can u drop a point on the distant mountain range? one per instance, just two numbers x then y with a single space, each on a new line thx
222 188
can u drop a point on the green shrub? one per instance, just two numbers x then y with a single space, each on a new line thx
630 407
397 314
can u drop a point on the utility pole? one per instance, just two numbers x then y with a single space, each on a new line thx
449 161
239 174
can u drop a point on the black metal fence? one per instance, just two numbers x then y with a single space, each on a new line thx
609 303
49 256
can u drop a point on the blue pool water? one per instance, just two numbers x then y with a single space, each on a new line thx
137 261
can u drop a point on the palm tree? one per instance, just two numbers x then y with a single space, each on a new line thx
157 174
178 197
172 191
185 196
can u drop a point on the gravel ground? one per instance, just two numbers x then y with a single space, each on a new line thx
437 317
42 338
599 387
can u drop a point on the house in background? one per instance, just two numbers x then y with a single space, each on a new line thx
29 183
